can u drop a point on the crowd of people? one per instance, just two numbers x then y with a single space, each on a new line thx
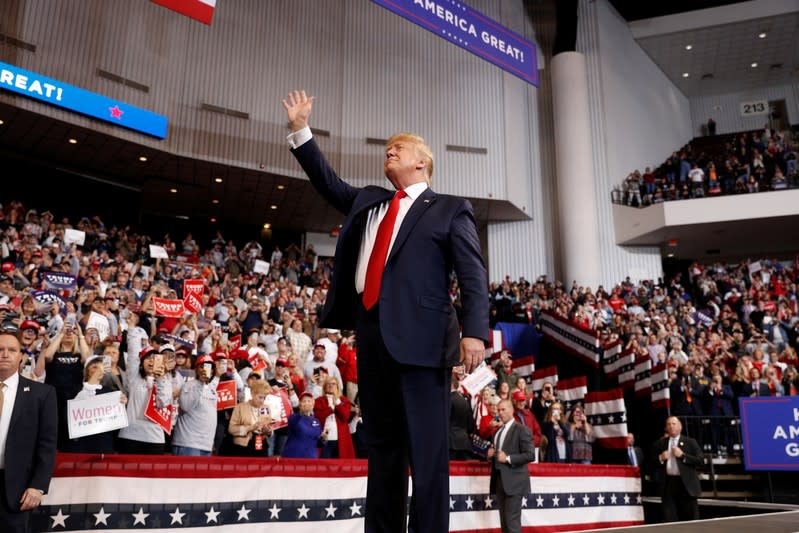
746 162
726 331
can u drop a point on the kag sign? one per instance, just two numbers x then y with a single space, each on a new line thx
60 94
471 30
770 429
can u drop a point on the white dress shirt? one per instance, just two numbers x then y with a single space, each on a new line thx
501 434
373 217
9 398
672 468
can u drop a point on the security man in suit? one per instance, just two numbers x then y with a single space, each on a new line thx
391 277
678 457
28 434
512 450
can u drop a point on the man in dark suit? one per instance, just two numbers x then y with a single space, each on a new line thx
510 478
461 424
635 457
718 404
394 256
678 457
28 434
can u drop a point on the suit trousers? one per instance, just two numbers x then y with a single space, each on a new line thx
406 420
678 505
510 510
11 521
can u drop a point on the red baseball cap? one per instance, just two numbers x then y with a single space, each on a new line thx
518 396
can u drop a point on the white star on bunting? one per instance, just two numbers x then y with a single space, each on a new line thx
303 512
586 499
177 517
355 509
451 504
626 498
556 500
600 499
244 513
488 502
140 517
210 516
610 419
101 517
59 519
571 500
540 501
331 511
638 499
274 511
524 501
469 502
613 499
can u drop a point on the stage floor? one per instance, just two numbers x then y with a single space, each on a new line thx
786 522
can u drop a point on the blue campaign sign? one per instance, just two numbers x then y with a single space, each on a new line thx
58 93
770 431
471 30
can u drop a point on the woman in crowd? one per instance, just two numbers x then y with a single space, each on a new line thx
145 375
333 411
93 374
114 379
489 421
581 435
790 381
305 431
250 424
556 431
503 390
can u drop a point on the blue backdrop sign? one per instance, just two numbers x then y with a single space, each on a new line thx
472 31
770 431
58 93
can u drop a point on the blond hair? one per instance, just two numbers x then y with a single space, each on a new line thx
422 150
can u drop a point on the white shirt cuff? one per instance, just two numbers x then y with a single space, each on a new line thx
299 137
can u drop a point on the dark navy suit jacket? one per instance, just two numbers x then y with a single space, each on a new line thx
438 235
31 442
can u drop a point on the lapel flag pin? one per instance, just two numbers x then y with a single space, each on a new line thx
26 389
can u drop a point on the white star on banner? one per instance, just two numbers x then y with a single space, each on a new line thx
613 499
524 501
451 504
626 498
488 502
638 499
303 512
556 500
331 511
469 502
540 501
610 419
600 499
59 519
586 499
177 517
101 517
210 516
140 517
571 500
355 509
244 513
274 511
624 417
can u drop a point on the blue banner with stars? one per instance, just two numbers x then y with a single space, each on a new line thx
474 32
60 94
222 494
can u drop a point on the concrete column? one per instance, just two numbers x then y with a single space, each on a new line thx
577 196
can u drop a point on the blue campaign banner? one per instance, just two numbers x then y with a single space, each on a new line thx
57 93
770 432
471 30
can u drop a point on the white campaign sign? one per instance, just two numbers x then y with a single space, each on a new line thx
261 267
101 413
158 252
74 235
479 379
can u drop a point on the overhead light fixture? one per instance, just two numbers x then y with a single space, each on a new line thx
670 255
1 122
213 220
267 225
685 74
173 191
762 35
689 46
72 141
218 180
281 187
754 64
143 159
214 201
273 206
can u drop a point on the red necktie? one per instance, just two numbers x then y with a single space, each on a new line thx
374 270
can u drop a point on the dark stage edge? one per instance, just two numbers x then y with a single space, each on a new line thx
786 522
